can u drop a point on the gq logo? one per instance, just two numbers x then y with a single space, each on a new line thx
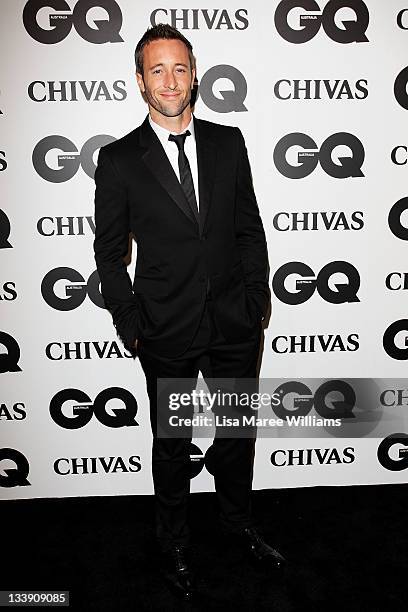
75 289
4 231
333 399
67 165
14 475
105 30
307 158
198 460
9 359
309 282
394 219
399 459
350 30
400 88
389 340
230 100
304 401
82 409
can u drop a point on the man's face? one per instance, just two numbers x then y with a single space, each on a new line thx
168 78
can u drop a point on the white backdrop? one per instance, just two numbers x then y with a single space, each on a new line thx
42 458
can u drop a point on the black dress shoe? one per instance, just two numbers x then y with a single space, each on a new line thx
177 571
259 551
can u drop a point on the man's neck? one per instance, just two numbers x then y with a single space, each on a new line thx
172 124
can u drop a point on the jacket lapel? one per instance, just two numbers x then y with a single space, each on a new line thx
157 161
206 161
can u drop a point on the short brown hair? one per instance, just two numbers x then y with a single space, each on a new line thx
157 32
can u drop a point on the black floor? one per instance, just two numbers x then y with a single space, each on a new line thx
347 549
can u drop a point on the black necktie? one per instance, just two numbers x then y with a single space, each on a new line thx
186 178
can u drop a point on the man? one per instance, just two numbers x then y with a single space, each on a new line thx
183 187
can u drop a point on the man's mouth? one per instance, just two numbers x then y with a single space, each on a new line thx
171 95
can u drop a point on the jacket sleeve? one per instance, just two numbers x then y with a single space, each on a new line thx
250 233
111 246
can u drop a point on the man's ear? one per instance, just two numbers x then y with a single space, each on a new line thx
193 77
140 82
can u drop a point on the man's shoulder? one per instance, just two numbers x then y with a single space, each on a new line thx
122 144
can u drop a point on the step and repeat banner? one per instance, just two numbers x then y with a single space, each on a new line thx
319 90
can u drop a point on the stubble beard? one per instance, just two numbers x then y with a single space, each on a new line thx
168 110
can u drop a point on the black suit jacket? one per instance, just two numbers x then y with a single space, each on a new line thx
137 191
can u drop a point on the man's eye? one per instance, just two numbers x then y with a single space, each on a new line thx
181 70
157 71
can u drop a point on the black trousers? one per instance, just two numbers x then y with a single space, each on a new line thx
233 458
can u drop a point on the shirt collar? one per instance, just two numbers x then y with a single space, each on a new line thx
163 134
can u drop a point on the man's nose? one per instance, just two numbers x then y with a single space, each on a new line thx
170 80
